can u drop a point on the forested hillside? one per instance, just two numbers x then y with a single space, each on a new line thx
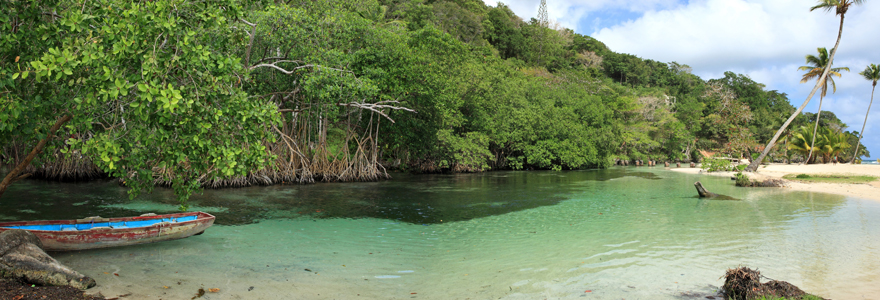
230 93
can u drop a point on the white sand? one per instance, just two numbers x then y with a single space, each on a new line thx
863 191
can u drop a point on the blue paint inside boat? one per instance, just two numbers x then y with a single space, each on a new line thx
114 225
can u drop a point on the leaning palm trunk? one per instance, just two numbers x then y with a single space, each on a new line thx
816 127
754 164
862 133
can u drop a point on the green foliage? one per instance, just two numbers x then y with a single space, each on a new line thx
717 164
802 176
462 24
503 30
742 179
830 144
467 153
144 82
800 142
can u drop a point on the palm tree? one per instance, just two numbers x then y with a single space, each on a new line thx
800 142
833 143
815 67
872 72
840 7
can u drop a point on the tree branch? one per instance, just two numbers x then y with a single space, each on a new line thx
376 107
288 72
247 59
13 175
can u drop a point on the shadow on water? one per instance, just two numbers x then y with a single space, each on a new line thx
716 197
419 199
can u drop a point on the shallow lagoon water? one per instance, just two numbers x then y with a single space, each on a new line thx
631 233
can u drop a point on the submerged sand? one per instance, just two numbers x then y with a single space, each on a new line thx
864 191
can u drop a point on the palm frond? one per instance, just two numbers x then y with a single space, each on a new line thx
816 66
871 73
804 68
840 69
833 86
826 5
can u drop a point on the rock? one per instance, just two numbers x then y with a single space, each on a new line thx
744 284
757 180
22 257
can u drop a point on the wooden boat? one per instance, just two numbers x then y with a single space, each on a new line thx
97 232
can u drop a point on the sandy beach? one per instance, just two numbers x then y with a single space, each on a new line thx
864 191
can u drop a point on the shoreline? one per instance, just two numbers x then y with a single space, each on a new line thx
869 191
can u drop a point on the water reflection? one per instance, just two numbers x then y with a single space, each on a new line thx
428 199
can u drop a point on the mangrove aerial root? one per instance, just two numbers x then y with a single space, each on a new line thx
744 283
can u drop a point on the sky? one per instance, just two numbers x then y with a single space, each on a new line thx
766 40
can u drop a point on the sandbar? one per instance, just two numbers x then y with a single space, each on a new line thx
863 191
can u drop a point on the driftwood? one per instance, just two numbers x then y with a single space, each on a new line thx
702 191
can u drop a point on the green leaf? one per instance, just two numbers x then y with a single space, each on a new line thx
15 75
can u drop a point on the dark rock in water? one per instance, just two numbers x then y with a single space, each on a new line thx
745 284
22 257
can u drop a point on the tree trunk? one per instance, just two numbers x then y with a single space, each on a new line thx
754 164
816 127
862 133
702 191
13 175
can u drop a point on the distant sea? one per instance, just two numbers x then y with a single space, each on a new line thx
869 162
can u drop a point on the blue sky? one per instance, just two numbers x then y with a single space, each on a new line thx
764 39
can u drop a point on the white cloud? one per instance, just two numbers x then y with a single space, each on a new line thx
570 13
714 35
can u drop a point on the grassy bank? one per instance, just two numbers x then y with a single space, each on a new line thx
831 178
805 297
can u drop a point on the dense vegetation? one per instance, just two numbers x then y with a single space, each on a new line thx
226 92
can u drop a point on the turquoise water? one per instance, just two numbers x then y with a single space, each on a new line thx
631 233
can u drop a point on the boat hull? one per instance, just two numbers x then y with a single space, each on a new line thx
104 237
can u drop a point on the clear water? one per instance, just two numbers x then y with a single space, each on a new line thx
623 233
